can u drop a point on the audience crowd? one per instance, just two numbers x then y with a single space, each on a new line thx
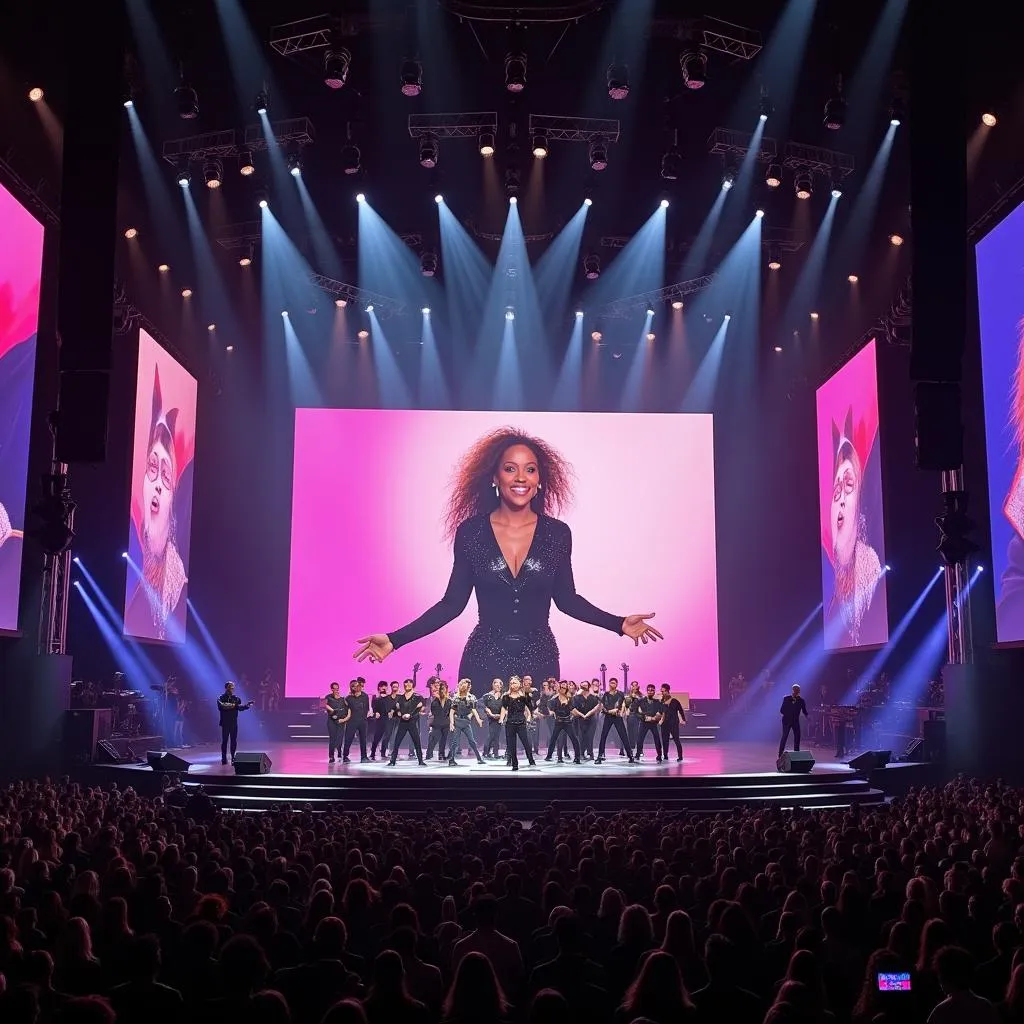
121 909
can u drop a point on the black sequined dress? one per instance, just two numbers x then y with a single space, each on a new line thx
513 636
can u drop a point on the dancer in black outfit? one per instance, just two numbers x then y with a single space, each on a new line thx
672 713
516 711
440 706
229 706
492 712
407 710
633 698
394 693
586 707
359 710
338 713
648 711
517 558
792 708
613 704
561 711
463 711
381 707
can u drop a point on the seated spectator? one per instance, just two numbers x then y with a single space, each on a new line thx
723 998
502 951
955 969
142 999
658 994
475 996
388 1001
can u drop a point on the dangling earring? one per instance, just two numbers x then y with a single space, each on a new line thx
540 487
497 493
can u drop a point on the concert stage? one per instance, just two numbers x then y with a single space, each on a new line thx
713 777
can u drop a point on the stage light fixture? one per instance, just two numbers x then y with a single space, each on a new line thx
727 316
596 335
837 190
360 198
588 201
814 316
211 327
262 102
835 113
513 180
369 307
988 119
510 314
429 152
486 144
262 198
186 293
184 177
439 199
128 98
773 176
163 268
671 164
728 180
341 303
515 72
579 314
351 159
617 78
540 145
246 166
425 311
592 266
778 348
187 102
229 348
677 303
896 112
35 94
337 62
284 314
650 312
247 256
852 278
513 201
131 232
664 204
895 239
428 263
411 77
774 260
124 554
759 213
803 183
598 155
294 164
764 107
213 174
363 334
693 63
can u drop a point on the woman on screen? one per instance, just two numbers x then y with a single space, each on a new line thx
856 563
1010 599
157 605
517 558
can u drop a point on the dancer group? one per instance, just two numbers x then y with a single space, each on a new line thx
518 711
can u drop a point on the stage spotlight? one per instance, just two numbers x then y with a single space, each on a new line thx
671 164
486 144
428 263
759 213
510 313
211 327
588 201
439 199
988 119
728 180
664 204
411 77
246 257
693 63
803 183
513 180
598 155
579 314
428 152
774 261
127 98
351 159
773 176
35 94
515 72
650 312
592 266
284 314
360 198
262 198
764 106
341 303
814 316
513 201
727 316
852 278
596 335
835 113
184 177
651 335
896 112
363 334
618 81
213 173
262 103
677 303
294 164
337 62
425 311
187 102
895 239
837 190
540 145
229 348
131 232
778 348
245 163
369 307
124 554
163 268
887 567
186 293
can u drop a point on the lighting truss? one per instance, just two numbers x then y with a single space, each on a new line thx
729 142
614 241
297 131
219 145
574 129
783 239
239 236
461 125
383 305
796 155
650 300
412 239
540 14
732 40
33 196
490 236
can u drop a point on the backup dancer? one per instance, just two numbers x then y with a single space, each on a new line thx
462 709
516 711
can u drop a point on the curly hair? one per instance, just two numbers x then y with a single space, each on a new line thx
473 494
1017 397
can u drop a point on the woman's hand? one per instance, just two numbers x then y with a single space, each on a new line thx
638 629
376 647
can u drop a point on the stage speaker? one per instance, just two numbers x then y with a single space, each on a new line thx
161 761
252 763
870 760
85 730
799 761
915 750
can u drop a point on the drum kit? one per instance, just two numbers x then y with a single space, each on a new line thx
128 708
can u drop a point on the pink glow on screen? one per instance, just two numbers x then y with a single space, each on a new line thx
165 394
368 554
847 411
21 261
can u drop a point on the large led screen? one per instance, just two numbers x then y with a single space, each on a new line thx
1000 258
156 589
850 506
21 265
628 528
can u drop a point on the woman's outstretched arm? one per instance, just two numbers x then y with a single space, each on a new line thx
565 596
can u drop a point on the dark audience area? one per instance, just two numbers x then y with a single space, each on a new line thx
116 907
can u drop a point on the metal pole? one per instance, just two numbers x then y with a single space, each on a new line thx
958 598
53 617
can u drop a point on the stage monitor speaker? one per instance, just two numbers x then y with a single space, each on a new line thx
914 751
252 763
162 761
871 760
799 761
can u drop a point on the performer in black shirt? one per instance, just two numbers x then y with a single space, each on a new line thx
792 708
381 707
516 710
440 708
338 713
648 711
633 698
462 710
389 733
359 706
613 705
586 705
229 706
492 712
561 711
408 707
672 713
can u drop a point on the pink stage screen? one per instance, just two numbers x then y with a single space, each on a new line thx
850 500
156 588
21 265
369 554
